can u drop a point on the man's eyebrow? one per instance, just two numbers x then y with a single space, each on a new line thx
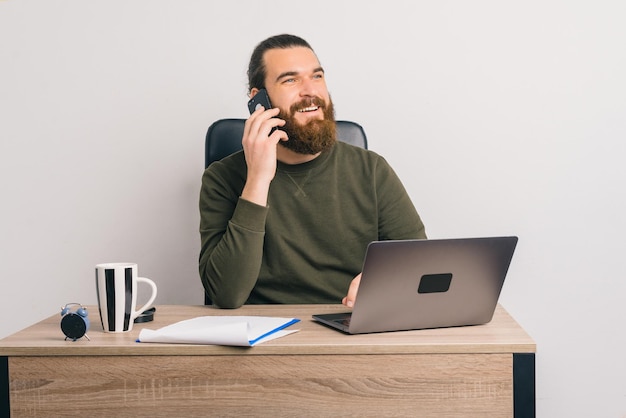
293 73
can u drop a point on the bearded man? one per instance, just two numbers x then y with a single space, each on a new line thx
288 219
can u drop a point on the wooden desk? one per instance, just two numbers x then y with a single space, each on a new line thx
479 371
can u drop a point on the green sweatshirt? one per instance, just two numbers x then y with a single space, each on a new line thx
309 242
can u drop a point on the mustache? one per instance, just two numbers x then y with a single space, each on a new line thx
306 102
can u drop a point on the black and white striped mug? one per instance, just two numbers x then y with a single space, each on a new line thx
116 287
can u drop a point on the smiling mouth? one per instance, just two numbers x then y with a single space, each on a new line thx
308 109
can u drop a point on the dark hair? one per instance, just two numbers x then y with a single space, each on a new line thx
256 68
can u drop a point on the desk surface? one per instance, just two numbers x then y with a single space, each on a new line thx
501 335
476 371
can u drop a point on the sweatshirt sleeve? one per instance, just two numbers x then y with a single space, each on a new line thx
232 231
397 216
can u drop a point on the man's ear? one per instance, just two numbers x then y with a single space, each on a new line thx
253 92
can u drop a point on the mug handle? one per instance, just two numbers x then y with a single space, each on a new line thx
149 302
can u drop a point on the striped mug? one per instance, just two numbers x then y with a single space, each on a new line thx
116 288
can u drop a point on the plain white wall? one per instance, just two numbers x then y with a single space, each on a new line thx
500 117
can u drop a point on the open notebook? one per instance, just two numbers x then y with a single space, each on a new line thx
245 331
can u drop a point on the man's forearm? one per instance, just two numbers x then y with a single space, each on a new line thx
230 260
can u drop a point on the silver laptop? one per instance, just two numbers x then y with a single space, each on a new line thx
416 284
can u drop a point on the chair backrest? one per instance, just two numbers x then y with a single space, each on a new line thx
224 137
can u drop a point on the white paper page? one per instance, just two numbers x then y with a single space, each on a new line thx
243 331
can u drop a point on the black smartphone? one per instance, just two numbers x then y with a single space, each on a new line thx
261 98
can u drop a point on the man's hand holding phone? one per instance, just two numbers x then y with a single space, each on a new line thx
259 141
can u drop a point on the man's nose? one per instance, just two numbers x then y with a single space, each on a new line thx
309 88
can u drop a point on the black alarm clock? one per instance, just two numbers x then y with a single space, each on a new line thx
74 323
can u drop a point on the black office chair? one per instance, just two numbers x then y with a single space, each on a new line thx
224 138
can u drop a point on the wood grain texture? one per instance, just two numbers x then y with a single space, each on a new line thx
425 385
453 372
501 335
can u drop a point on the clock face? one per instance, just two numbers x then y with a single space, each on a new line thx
73 326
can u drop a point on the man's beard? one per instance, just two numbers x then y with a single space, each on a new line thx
316 135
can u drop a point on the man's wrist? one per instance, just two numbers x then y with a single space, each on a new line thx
256 192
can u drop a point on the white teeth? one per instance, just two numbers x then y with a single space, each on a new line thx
308 109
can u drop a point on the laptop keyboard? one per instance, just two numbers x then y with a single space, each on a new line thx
343 321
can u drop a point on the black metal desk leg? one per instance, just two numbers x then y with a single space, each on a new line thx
5 408
524 385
